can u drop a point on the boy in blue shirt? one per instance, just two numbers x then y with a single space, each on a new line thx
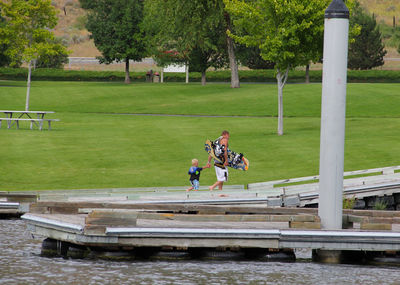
194 173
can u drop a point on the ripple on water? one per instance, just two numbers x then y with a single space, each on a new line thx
20 263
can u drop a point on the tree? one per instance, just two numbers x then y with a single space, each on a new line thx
288 33
231 52
194 29
27 32
115 27
250 57
367 50
56 60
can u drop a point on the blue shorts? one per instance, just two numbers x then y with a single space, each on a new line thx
195 183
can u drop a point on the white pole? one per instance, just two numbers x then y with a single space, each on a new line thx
333 115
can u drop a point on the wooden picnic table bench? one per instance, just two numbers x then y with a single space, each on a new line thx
14 117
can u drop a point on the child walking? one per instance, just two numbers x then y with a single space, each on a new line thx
194 172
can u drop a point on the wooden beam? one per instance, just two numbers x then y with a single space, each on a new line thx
73 207
112 218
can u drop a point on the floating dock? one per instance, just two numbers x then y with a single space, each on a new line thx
276 216
133 230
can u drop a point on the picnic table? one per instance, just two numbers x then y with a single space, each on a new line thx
35 117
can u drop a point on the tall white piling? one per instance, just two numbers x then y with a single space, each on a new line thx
333 115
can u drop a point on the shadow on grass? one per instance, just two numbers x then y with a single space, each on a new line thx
6 83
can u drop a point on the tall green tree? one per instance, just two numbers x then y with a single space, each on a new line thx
27 34
367 50
196 30
115 26
4 59
288 33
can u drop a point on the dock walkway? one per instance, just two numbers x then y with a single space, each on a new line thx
380 185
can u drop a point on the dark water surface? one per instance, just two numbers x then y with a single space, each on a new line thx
20 263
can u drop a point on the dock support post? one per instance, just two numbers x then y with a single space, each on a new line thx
77 251
62 248
333 113
327 256
49 248
343 256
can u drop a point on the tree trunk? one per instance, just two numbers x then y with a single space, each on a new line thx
307 74
187 72
280 104
203 78
235 83
281 78
127 77
28 86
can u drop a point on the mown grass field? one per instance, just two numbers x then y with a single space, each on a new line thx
99 143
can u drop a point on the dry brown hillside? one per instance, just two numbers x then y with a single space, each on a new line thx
384 10
71 28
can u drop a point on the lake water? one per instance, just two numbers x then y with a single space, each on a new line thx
21 263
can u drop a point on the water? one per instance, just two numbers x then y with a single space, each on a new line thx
20 263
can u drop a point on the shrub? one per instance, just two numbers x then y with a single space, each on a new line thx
80 22
348 203
263 76
390 35
380 205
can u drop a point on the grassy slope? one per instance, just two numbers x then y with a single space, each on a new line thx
91 149
364 100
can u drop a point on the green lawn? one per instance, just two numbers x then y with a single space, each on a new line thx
95 147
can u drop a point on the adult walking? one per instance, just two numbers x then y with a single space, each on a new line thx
221 152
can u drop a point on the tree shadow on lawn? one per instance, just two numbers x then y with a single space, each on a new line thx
6 83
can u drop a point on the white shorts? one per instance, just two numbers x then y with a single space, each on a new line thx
222 174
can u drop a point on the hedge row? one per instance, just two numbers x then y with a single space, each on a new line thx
295 76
